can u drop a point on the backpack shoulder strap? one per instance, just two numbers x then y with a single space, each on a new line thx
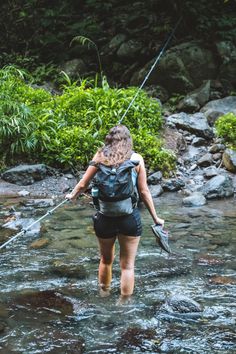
94 163
127 165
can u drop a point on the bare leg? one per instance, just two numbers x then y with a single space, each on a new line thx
128 250
107 251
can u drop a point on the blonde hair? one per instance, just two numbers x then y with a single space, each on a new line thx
118 146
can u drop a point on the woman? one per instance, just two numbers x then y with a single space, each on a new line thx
127 229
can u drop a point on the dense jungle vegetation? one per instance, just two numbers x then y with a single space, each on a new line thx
65 128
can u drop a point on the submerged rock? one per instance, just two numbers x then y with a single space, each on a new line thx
2 327
135 338
222 280
68 270
208 260
47 300
41 243
181 304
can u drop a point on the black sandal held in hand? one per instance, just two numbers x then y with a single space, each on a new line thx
161 236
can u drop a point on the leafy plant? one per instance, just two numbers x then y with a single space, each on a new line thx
22 112
65 130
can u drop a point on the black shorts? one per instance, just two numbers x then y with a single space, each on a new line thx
108 227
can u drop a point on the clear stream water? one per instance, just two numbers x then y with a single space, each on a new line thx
44 311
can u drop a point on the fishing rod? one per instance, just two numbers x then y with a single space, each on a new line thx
49 212
152 68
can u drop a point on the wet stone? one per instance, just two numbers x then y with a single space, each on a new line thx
3 312
41 243
5 234
136 338
2 327
219 242
222 280
181 304
38 203
207 260
68 270
45 300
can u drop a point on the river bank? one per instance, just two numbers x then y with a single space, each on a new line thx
49 187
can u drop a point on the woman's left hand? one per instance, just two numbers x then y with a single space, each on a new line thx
70 196
159 221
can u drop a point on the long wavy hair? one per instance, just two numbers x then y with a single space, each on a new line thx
118 146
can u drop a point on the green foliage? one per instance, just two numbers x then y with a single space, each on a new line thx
226 128
40 72
150 147
65 130
23 110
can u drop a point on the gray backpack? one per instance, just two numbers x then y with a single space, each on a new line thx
114 192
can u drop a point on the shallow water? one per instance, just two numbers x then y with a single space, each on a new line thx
43 311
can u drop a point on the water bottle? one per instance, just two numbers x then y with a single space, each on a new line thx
94 193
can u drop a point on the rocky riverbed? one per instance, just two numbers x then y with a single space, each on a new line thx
205 166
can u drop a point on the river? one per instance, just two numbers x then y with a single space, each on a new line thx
49 300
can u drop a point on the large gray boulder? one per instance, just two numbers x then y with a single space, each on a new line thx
183 68
216 108
74 67
24 175
129 50
116 42
220 186
195 99
195 123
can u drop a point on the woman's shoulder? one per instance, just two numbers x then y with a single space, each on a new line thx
135 156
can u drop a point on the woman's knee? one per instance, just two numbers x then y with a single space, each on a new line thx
124 265
107 259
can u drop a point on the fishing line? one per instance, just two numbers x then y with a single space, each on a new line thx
152 68
49 212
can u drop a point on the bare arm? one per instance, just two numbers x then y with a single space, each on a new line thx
145 192
83 184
